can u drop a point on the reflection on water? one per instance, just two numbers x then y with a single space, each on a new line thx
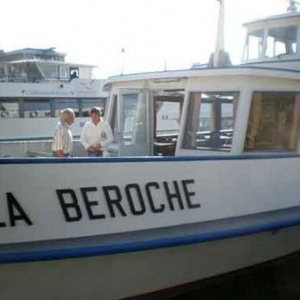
276 280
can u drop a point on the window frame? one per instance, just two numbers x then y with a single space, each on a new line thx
295 123
186 116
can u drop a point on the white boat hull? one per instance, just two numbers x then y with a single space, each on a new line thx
127 226
128 274
84 197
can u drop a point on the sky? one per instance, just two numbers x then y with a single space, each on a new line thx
155 34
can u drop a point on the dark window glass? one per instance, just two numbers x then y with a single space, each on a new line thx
60 104
37 109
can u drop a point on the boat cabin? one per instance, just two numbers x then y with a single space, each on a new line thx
204 112
227 110
146 121
273 40
39 65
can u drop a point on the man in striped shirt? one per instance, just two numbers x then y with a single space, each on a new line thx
62 144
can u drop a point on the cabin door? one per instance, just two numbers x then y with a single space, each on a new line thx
135 122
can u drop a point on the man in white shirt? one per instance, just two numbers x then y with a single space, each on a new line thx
96 134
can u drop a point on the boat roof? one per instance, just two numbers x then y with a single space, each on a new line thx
36 55
60 63
287 18
281 20
25 53
180 75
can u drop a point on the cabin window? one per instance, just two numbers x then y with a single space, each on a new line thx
272 42
2 73
63 72
49 70
60 104
167 117
36 108
74 72
134 118
167 114
255 40
114 122
34 72
210 121
85 72
281 41
9 109
16 73
88 104
273 122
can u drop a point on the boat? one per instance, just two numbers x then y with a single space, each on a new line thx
166 208
35 84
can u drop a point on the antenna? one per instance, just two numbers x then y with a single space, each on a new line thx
123 60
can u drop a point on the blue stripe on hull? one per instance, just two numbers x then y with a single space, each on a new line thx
32 139
72 160
17 257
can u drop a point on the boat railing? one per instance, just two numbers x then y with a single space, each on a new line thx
29 79
20 78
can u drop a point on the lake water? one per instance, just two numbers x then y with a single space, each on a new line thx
276 280
279 280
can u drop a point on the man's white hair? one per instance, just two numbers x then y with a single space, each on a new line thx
67 114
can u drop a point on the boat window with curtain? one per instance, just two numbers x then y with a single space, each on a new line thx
273 122
210 121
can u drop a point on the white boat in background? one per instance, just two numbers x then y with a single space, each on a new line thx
35 84
167 208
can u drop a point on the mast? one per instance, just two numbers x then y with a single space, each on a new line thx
219 50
